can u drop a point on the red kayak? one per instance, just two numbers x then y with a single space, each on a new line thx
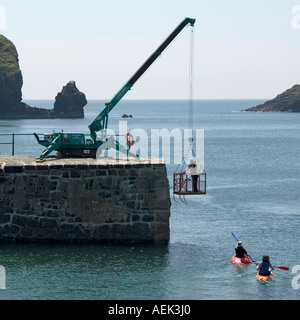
259 277
234 259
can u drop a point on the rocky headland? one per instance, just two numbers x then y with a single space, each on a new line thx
69 102
288 101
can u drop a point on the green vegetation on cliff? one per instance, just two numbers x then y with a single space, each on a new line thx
8 55
11 80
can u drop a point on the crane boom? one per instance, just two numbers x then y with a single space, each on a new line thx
101 121
75 144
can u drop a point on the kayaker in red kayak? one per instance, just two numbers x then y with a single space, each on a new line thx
240 251
264 267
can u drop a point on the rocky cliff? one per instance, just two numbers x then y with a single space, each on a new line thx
288 101
11 80
69 102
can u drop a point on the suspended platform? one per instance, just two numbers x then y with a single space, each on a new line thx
185 184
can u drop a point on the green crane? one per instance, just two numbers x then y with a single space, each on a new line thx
76 144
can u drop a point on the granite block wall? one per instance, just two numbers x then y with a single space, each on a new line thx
83 200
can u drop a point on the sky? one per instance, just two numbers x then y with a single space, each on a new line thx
246 49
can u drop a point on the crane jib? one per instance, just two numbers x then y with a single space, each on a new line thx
160 49
99 121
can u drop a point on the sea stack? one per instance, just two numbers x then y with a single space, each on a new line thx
69 102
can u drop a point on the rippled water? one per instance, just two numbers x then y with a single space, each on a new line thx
253 175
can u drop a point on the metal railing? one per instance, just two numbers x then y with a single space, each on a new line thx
13 140
185 184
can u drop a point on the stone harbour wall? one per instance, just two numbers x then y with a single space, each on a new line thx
84 200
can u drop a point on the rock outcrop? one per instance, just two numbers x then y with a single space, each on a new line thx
69 102
288 101
127 115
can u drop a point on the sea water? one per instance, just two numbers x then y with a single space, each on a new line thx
253 190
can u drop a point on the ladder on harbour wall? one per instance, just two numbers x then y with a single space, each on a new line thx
183 184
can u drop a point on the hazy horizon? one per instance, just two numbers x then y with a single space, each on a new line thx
243 50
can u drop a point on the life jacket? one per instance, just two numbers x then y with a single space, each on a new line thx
264 268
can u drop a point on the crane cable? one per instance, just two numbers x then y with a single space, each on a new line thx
191 78
191 95
191 104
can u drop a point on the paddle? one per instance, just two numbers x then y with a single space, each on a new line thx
281 267
238 241
234 237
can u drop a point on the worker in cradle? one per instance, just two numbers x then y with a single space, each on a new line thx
192 170
240 251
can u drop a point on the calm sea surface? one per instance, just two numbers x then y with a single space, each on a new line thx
253 190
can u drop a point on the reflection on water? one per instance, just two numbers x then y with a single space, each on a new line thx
100 271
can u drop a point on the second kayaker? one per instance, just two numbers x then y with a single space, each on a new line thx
240 251
264 267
